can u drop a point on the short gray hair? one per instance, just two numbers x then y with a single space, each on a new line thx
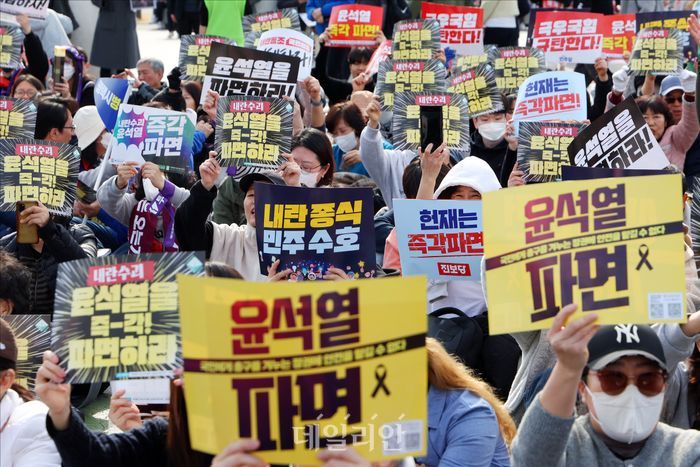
154 63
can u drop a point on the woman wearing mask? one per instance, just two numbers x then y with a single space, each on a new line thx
312 151
620 373
76 82
489 143
345 122
26 87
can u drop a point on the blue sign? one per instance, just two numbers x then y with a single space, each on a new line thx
110 93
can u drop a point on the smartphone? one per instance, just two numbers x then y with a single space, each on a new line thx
26 234
430 126
59 56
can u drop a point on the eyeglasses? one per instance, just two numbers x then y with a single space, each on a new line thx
25 94
71 128
671 100
614 382
308 167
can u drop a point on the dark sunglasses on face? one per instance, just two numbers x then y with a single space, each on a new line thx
671 99
614 382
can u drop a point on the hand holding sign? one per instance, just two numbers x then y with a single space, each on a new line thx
209 171
124 173
694 28
239 453
52 392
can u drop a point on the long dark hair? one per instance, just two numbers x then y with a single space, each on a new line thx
694 386
318 143
179 448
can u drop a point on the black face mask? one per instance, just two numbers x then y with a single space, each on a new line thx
74 140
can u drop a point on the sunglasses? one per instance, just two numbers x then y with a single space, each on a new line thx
614 382
671 100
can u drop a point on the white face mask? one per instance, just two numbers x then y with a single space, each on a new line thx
346 143
105 139
309 179
492 131
629 417
149 190
68 71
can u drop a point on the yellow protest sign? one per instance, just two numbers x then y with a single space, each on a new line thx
302 366
613 246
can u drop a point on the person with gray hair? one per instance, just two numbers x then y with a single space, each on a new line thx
149 81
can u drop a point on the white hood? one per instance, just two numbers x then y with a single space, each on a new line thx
472 172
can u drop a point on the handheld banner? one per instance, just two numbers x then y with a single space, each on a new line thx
292 43
461 27
621 139
17 118
611 246
618 35
382 53
415 39
410 127
479 86
657 51
568 36
354 25
115 316
542 149
312 229
303 366
36 170
33 338
440 239
553 95
11 39
671 20
161 136
194 54
514 65
408 76
235 70
110 93
259 23
38 9
253 133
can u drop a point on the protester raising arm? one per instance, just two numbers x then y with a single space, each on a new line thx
431 163
37 60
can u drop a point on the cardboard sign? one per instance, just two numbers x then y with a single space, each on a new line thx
464 62
671 20
618 139
194 54
259 23
36 170
618 35
415 40
161 136
408 76
354 25
117 315
312 229
33 338
17 118
110 93
11 40
479 86
408 126
440 239
253 133
513 65
382 53
461 27
554 95
303 366
33 8
542 149
292 43
612 246
235 70
657 51
568 36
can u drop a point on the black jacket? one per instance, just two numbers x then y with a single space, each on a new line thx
60 245
37 61
192 230
500 158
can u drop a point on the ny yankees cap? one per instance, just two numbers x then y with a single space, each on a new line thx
611 343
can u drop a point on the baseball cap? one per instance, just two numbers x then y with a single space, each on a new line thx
267 177
670 83
611 343
88 125
8 346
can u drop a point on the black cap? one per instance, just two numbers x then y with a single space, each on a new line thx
267 177
611 343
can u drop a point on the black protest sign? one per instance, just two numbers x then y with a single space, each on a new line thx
514 65
415 39
194 54
233 70
11 39
408 76
479 86
33 338
253 133
17 118
259 23
36 170
657 51
543 149
621 139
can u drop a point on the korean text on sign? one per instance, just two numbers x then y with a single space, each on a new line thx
408 76
415 40
543 149
657 51
513 65
554 95
17 118
354 25
461 27
479 86
569 37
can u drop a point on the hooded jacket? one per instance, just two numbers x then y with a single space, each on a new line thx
467 296
500 158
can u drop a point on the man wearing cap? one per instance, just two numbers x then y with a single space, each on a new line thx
24 441
620 373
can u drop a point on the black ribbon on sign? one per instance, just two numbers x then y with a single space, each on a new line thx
380 375
644 254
